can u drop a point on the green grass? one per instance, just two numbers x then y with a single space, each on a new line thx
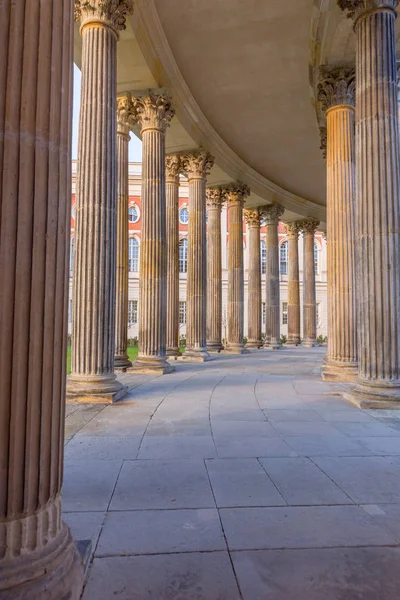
132 353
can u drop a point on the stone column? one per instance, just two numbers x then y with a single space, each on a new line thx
253 219
196 166
309 227
236 194
215 199
124 125
172 168
153 112
377 201
38 558
336 94
93 303
272 213
292 231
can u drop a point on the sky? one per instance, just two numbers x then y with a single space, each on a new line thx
135 145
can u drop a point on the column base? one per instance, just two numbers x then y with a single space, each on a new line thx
196 356
152 365
295 342
95 388
54 573
371 395
214 347
310 344
121 363
239 349
173 353
272 346
254 344
339 371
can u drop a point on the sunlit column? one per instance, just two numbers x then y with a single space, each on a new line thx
253 220
293 337
196 165
337 97
272 213
215 199
309 227
172 170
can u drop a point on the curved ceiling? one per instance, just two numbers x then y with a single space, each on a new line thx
247 65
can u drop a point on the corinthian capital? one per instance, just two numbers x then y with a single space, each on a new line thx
337 86
272 213
173 166
153 110
236 193
308 225
112 13
356 8
197 163
125 114
215 197
292 230
252 216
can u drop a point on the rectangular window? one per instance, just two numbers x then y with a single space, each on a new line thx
182 313
284 313
263 313
70 311
132 312
318 314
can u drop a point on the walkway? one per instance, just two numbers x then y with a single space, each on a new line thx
246 477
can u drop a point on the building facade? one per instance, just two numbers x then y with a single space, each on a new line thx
135 220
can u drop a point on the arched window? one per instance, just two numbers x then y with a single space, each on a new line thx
184 215
316 258
183 253
283 258
133 254
71 253
263 252
133 214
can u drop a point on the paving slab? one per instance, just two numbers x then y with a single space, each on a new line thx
387 516
323 574
301 482
161 532
119 420
374 429
242 482
247 447
348 415
326 446
242 428
301 527
381 446
193 576
158 484
105 447
293 415
367 480
189 446
306 429
89 484
85 525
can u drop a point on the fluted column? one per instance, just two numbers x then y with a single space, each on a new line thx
377 201
38 558
293 337
336 94
153 112
172 166
215 199
196 166
272 213
93 295
309 227
253 219
124 125
236 194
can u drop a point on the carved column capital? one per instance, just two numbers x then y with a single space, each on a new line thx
253 217
236 193
112 13
125 114
292 230
323 134
197 163
337 86
215 197
173 166
357 8
153 110
308 225
272 213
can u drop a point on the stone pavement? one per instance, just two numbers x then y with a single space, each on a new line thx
245 477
